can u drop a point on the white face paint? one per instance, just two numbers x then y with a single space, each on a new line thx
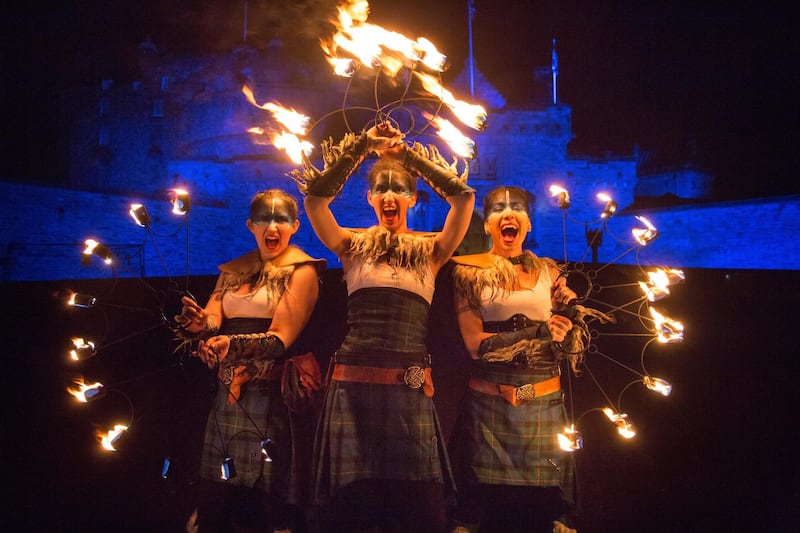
387 184
276 212
517 205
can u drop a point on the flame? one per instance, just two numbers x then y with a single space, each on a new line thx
570 440
110 438
85 393
458 142
82 350
181 203
293 123
658 385
139 214
374 46
660 280
562 194
81 300
292 145
624 426
644 236
610 205
667 330
292 120
94 247
472 115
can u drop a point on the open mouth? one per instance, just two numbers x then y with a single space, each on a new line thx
509 233
272 242
389 213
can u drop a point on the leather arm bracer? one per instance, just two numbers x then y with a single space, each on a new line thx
506 339
340 162
433 170
256 351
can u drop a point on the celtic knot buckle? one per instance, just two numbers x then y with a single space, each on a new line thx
414 376
526 392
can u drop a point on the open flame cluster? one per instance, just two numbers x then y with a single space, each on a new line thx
358 44
664 329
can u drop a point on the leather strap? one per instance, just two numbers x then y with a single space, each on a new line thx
387 376
516 395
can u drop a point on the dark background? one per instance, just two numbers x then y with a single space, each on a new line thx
716 455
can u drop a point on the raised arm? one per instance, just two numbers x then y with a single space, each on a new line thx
442 177
455 227
328 230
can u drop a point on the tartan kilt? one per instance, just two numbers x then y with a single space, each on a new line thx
237 430
496 443
371 431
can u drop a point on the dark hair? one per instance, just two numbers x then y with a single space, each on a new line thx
262 197
383 165
492 196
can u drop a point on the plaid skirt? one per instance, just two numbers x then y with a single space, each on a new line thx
497 443
372 431
237 431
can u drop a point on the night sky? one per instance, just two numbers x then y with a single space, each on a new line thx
709 82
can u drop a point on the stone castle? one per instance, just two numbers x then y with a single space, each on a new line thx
185 124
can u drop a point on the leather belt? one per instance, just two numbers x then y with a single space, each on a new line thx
414 376
516 395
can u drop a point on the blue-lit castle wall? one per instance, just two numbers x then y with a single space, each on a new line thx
184 124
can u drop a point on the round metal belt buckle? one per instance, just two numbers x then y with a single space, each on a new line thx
414 376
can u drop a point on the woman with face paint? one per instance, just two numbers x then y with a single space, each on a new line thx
510 472
256 456
380 460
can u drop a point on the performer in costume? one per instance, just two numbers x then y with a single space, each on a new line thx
510 472
255 465
380 459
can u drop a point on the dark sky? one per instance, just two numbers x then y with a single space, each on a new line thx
714 81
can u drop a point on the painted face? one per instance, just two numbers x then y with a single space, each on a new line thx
508 222
391 196
272 224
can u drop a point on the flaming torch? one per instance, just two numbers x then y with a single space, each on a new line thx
570 440
86 393
666 329
624 426
659 281
561 194
646 234
83 349
110 438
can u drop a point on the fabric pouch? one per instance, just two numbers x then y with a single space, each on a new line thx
300 380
